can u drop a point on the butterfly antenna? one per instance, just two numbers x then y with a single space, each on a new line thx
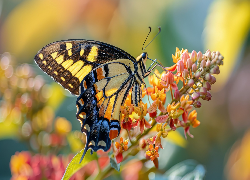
157 62
147 36
153 38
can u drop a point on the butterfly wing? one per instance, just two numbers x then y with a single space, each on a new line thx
68 62
103 91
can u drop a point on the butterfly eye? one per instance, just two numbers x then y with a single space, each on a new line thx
144 55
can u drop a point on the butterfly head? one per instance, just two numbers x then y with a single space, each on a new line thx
143 57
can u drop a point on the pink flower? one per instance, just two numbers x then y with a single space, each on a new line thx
168 80
180 66
161 119
186 131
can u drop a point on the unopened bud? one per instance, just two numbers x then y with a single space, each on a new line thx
213 54
203 91
184 57
203 64
213 80
177 94
207 85
189 63
190 82
213 61
208 53
195 95
219 62
193 56
208 63
194 68
197 74
215 70
180 66
208 96
197 104
185 73
199 56
208 77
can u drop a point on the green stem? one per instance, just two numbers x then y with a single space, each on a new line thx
109 169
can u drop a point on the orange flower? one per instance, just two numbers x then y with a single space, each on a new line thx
155 80
152 153
192 117
159 98
176 57
178 54
121 147
158 95
126 111
171 108
186 103
141 110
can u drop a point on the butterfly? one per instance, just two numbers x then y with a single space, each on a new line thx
101 75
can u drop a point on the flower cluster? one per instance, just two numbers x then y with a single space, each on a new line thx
194 73
27 108
26 166
29 104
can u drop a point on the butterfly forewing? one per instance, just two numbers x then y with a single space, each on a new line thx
68 62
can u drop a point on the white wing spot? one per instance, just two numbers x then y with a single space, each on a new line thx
92 143
87 127
101 143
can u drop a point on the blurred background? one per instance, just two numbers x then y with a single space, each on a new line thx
37 116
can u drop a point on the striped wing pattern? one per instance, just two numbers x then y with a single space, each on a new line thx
68 62
101 75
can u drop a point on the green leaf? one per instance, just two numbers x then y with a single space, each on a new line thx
114 164
75 164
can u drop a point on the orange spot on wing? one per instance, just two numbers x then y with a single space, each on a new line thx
96 88
99 73
108 112
85 85
82 115
113 134
99 95
82 101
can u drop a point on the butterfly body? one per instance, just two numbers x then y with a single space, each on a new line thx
101 75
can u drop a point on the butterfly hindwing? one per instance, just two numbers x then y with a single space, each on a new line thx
68 62
103 92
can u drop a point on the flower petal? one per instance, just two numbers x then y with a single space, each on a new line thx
161 119
119 158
